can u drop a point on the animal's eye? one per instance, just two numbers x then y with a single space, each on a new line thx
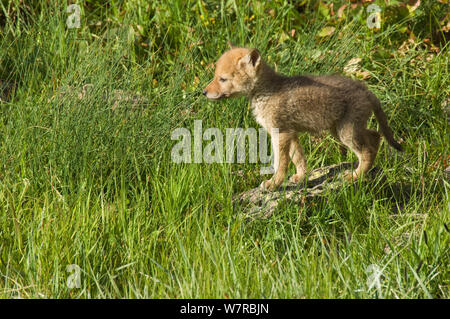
222 79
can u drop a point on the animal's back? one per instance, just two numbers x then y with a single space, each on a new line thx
312 103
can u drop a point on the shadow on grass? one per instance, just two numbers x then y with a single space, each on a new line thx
259 204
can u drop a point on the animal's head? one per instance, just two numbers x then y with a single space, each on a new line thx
236 72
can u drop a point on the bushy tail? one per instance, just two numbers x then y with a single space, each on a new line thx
384 126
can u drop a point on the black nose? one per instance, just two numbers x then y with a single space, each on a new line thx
205 92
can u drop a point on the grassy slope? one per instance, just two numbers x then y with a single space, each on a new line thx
83 184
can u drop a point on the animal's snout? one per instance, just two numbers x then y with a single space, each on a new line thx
205 92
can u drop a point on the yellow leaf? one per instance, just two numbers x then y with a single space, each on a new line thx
326 31
413 7
352 66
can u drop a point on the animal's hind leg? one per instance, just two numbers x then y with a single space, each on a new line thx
342 148
370 150
364 143
298 158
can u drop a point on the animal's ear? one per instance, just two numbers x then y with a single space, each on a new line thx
252 59
255 57
231 45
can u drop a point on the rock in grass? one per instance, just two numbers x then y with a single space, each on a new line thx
257 203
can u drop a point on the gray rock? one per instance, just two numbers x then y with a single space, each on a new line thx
261 204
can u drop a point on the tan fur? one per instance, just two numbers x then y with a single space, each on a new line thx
302 104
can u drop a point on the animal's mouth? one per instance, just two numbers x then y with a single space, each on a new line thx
218 97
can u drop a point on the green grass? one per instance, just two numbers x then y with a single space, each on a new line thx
86 183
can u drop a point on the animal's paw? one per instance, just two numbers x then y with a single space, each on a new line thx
296 178
267 185
350 176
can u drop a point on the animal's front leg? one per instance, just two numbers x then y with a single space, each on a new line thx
281 161
298 158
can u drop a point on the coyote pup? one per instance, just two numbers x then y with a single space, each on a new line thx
301 104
